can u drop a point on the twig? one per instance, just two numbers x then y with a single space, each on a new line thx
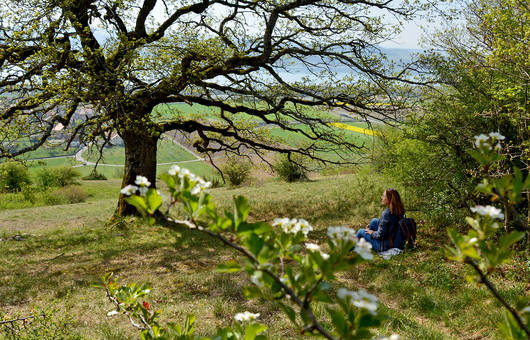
56 257
494 291
21 319
124 311
314 322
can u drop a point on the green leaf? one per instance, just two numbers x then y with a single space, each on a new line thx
255 244
242 209
231 266
169 180
339 322
507 240
138 202
246 229
153 200
253 330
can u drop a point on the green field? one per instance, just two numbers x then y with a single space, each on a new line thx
167 152
70 246
183 110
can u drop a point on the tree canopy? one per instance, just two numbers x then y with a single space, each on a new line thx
92 68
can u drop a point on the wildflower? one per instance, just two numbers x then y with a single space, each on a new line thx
142 181
246 316
341 233
174 170
364 248
488 211
146 305
129 190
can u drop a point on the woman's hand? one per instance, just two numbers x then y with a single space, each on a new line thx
369 232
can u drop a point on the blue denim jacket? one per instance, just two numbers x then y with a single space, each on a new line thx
388 222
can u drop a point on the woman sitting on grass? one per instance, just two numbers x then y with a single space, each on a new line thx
379 230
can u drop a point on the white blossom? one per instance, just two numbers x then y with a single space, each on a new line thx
341 233
496 135
488 211
174 170
142 181
360 299
246 316
312 247
293 226
112 312
482 139
143 190
200 186
316 248
364 248
129 190
184 173
256 278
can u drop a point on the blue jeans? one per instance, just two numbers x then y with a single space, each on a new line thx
362 233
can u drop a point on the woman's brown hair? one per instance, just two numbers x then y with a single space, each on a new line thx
395 204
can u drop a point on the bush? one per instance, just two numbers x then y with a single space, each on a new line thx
67 176
57 177
13 176
95 176
289 171
237 171
45 178
67 195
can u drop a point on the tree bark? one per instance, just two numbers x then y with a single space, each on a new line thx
140 160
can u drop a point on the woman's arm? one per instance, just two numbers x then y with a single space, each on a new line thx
384 226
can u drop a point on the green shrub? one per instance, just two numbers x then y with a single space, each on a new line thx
66 195
237 171
57 177
95 176
13 176
67 176
289 171
45 178
29 193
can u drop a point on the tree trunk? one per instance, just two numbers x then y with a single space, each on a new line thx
140 160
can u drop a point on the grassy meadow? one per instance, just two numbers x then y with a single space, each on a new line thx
65 249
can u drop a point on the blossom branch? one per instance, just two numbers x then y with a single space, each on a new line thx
315 324
124 311
493 290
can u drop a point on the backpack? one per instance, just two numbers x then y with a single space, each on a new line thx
405 234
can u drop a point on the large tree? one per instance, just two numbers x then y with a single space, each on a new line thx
121 59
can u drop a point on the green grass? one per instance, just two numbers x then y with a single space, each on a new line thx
71 246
